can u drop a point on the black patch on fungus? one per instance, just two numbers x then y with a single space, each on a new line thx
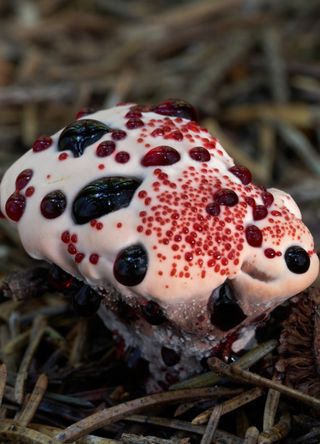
130 266
77 136
103 196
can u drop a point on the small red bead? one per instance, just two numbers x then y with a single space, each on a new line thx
94 258
269 253
42 143
134 123
106 148
63 156
65 237
118 135
188 256
79 257
175 135
253 236
72 249
158 132
122 157
74 238
29 191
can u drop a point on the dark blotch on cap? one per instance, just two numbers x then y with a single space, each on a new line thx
130 266
77 136
86 301
102 197
225 312
297 259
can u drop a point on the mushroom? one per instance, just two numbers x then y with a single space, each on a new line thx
147 209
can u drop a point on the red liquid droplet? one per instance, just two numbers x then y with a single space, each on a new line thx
175 135
259 212
226 197
250 201
176 108
118 135
200 154
42 143
161 155
65 237
63 156
253 236
79 258
106 148
29 191
15 206
134 123
74 238
122 157
241 173
188 256
133 114
72 249
53 204
84 112
158 132
267 198
94 258
23 179
213 209
269 253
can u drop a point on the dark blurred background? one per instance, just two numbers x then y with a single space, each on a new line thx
251 67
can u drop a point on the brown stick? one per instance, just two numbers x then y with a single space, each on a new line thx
113 414
235 372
